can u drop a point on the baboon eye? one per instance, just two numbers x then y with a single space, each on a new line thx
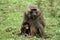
36 12
31 12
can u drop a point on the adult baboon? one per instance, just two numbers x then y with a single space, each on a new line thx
34 17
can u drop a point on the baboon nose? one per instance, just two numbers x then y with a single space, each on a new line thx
34 15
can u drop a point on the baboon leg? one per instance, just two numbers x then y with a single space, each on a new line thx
41 31
33 31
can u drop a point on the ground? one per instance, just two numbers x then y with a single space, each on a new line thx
11 17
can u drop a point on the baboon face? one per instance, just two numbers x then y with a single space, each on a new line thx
26 26
33 13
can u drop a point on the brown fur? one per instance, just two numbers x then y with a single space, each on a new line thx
33 31
34 17
25 29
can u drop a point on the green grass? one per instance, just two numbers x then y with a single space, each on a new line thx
11 17
12 25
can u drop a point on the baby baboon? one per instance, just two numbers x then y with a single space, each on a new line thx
34 17
25 29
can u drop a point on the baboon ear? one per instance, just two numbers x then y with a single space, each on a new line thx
27 10
39 12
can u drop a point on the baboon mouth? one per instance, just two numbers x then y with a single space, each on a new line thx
33 17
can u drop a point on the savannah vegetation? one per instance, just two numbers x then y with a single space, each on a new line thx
11 16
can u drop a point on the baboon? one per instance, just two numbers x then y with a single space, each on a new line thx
34 17
25 29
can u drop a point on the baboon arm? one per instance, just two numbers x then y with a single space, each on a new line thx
24 19
42 20
40 29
